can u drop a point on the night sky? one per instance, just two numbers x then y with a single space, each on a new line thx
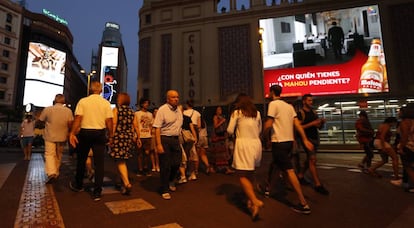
86 20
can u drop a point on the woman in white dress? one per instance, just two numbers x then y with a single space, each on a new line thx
245 123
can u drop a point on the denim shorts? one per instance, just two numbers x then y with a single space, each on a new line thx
25 141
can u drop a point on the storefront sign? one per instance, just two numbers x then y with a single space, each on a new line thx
191 65
54 17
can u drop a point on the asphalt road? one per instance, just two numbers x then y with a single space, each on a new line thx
356 199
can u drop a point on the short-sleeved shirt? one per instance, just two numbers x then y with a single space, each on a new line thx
94 110
169 120
311 132
27 128
283 115
57 118
145 120
194 114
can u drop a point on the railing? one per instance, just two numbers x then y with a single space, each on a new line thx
338 137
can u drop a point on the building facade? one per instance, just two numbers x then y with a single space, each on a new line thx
46 39
37 62
210 50
10 35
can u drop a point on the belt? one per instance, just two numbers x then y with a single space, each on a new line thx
170 136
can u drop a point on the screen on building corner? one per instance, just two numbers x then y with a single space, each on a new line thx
109 77
45 74
303 54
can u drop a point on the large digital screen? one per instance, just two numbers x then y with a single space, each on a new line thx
45 74
109 65
331 52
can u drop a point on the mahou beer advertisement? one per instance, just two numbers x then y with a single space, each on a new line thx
334 52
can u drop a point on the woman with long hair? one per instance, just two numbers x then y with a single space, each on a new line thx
26 135
246 124
220 142
125 128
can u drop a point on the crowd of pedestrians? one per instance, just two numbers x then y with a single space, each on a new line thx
392 139
154 139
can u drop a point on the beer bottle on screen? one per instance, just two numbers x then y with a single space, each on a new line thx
371 80
384 73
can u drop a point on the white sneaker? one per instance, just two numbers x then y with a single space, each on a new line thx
182 180
397 183
192 177
166 196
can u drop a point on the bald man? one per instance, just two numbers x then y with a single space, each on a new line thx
58 120
93 122
167 124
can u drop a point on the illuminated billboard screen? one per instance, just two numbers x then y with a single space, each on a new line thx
109 66
308 53
45 74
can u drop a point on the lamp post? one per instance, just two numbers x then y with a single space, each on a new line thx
261 30
89 75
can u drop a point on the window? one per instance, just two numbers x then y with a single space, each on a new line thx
285 27
6 53
2 94
4 66
9 18
7 40
146 93
3 80
8 28
148 19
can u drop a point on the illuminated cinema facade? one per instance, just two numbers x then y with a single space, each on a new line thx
212 50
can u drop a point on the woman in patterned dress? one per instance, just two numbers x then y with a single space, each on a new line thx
126 133
220 142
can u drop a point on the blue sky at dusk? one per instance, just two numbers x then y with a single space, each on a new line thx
86 20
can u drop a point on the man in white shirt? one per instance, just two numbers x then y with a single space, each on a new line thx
93 122
281 121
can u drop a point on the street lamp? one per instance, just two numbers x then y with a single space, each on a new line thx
89 75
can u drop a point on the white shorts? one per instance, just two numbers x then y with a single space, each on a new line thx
377 144
202 142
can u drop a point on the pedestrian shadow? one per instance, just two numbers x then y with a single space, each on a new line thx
278 190
234 195
150 184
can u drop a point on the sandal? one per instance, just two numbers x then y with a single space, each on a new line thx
374 174
255 208
229 171
126 190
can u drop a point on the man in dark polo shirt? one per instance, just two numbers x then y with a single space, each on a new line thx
92 124
167 124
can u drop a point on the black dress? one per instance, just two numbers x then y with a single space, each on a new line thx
124 134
